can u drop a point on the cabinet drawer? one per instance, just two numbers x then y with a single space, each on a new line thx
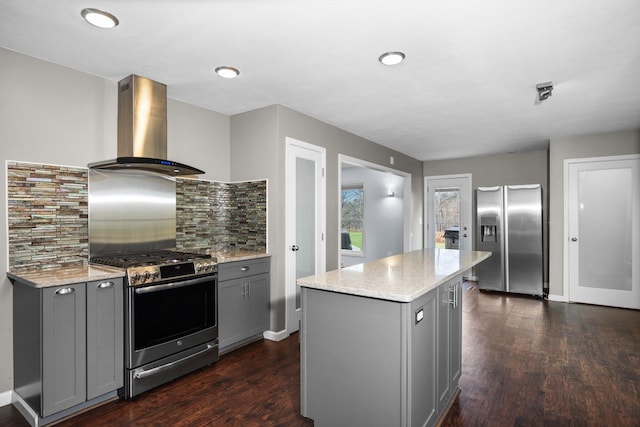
235 269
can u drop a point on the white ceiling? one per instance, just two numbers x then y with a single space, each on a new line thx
466 88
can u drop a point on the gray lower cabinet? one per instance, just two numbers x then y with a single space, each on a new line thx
64 363
373 362
243 301
67 344
449 340
105 343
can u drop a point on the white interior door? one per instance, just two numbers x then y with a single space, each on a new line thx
448 204
602 223
305 220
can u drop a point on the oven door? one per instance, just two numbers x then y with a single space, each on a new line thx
168 318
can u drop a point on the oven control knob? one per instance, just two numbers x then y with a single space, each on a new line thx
135 277
207 267
145 276
155 274
199 267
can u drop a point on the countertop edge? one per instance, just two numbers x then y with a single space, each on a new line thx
388 295
71 275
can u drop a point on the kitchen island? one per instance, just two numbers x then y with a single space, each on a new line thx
381 341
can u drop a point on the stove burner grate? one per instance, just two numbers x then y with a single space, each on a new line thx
147 259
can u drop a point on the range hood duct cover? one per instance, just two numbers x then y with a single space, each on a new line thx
142 129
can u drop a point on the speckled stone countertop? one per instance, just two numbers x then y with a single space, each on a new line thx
401 278
237 255
44 278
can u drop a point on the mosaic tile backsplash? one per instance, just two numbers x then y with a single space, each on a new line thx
48 215
232 216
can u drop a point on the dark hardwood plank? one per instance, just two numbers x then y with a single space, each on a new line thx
526 362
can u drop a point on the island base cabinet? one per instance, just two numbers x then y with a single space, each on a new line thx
351 361
449 365
373 362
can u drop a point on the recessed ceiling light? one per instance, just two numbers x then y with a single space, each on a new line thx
99 18
391 58
227 72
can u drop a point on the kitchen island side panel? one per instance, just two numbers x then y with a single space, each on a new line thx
355 345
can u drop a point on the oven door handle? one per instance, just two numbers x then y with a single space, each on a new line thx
162 368
174 285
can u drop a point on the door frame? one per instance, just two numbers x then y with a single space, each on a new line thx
565 232
427 180
290 232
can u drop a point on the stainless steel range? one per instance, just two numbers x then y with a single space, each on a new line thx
171 316
170 297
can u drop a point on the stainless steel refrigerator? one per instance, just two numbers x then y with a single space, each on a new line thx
509 224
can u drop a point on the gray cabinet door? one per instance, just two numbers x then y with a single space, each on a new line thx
105 371
456 336
422 360
257 304
243 300
445 296
231 326
449 340
63 348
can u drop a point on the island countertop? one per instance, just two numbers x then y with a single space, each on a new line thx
401 278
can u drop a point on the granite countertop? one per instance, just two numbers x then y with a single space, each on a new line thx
68 275
401 278
43 278
237 255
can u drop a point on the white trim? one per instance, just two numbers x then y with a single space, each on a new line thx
321 257
6 397
565 219
557 298
275 335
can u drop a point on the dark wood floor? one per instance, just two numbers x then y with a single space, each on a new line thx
526 362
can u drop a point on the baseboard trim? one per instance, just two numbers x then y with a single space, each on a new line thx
557 298
275 335
5 397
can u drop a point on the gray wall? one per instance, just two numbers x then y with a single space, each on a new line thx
383 215
606 144
258 150
55 115
526 167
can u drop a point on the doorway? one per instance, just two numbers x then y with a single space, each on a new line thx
448 207
305 220
374 211
602 231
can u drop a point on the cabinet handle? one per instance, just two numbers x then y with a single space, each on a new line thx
452 296
244 290
105 285
248 290
245 268
455 295
65 291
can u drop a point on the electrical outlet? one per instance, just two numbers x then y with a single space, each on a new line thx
391 160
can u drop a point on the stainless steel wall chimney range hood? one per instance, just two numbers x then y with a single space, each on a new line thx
142 130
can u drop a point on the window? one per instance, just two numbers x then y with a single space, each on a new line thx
352 221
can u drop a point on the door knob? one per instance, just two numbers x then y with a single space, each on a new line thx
295 248
464 235
574 239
